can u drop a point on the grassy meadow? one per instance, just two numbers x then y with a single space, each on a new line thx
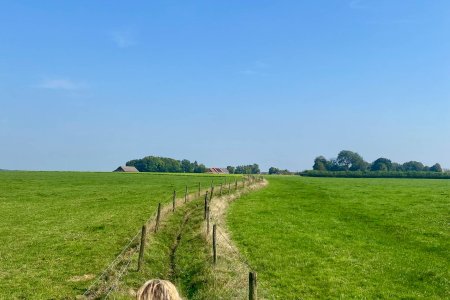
59 228
316 238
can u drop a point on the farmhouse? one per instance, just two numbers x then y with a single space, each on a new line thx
126 169
217 171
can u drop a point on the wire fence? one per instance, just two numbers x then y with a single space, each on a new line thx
109 280
234 277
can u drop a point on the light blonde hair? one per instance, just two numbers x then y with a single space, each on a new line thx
158 289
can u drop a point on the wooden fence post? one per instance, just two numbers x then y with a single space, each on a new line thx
199 189
212 193
206 203
235 184
186 194
252 292
158 217
207 221
214 244
221 190
174 200
229 187
141 248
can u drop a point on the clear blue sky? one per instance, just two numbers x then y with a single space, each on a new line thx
88 85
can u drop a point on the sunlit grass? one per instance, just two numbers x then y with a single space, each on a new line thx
55 226
347 238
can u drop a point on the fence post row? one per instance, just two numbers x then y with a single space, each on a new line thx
158 217
214 244
252 292
252 275
141 249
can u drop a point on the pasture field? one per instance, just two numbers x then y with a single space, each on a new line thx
59 230
315 238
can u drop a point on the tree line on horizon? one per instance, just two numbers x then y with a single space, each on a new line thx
276 171
165 164
245 169
351 161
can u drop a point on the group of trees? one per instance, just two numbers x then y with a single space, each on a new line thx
247 169
352 161
276 171
165 164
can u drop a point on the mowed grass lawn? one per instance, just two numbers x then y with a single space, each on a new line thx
55 226
315 238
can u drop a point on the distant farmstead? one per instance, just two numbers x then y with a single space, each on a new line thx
126 169
218 171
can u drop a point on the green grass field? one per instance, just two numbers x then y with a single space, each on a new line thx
311 238
55 226
307 238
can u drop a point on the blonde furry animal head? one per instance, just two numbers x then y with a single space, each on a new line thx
157 289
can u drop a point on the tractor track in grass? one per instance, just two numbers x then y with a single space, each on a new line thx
176 243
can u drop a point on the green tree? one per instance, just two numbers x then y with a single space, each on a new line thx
413 166
333 165
273 170
381 164
436 168
231 169
396 167
186 166
255 169
320 164
200 168
351 161
248 169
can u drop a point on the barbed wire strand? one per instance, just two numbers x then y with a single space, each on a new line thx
121 273
232 248
109 267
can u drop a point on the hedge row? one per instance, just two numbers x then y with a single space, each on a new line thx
376 174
